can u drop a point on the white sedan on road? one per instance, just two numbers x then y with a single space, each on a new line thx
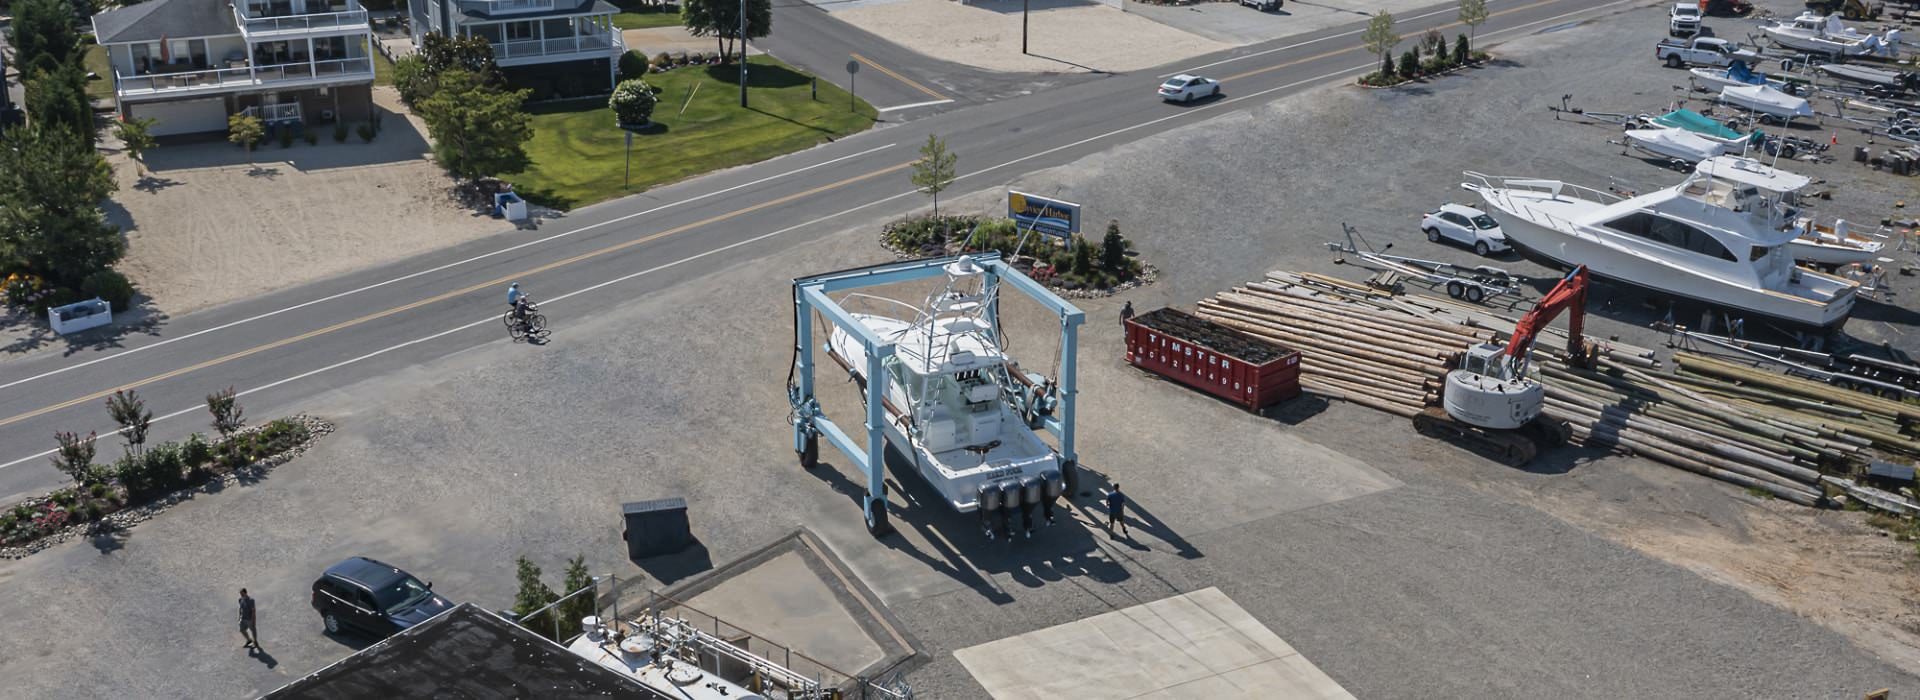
1187 88
1465 225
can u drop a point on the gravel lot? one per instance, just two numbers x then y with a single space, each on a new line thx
1401 567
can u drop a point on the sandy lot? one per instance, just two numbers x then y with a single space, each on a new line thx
1063 37
205 227
670 39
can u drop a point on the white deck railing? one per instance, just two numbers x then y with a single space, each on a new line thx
251 25
219 79
597 44
288 112
507 7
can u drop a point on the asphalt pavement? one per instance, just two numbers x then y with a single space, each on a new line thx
901 83
280 349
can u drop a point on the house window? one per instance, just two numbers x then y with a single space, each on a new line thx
518 31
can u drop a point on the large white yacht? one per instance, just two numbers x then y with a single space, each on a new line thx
1719 238
947 394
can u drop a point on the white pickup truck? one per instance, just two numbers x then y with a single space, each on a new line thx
1683 19
1702 51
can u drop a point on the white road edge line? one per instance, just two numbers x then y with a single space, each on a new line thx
929 103
764 236
447 266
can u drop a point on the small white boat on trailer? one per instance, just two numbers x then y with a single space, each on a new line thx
1834 246
1679 148
1717 239
947 393
1767 101
1735 75
1821 35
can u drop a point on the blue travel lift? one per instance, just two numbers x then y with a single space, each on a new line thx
1048 404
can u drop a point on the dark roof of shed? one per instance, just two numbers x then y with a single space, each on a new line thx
466 652
153 19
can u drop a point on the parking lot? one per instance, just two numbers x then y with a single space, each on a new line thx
1400 566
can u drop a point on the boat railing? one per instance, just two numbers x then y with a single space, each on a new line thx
1479 180
914 316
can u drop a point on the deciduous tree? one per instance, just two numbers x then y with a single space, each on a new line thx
478 131
720 19
581 604
633 102
1379 38
74 457
474 54
1473 13
130 411
246 130
228 418
136 136
935 169
533 595
43 28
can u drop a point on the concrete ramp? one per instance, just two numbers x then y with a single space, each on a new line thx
1196 645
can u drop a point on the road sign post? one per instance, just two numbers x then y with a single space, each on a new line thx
853 69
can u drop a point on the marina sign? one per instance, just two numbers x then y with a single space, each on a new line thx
1050 216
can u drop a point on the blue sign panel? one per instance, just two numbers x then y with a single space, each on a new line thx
1050 216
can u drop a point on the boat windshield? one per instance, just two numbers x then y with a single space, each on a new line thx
1485 223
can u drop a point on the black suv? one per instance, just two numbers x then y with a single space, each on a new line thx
374 598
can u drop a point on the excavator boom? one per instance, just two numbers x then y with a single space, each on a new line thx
1570 295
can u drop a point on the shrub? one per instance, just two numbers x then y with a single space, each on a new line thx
1082 257
312 137
919 234
97 490
109 285
339 132
632 65
1460 54
633 102
74 457
228 417
1410 63
64 497
195 452
366 133
162 466
1113 248
662 60
132 474
413 79
1433 42
286 138
1386 68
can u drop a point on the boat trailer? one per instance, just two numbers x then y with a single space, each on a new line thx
1047 402
1478 284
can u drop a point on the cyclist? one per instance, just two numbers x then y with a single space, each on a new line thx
518 300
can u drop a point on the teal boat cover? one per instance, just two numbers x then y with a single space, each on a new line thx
1697 123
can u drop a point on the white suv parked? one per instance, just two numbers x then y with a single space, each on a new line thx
1465 225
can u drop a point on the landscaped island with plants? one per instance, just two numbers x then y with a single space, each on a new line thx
1077 265
114 496
1431 56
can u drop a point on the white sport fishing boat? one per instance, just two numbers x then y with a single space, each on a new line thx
1718 238
1814 33
947 393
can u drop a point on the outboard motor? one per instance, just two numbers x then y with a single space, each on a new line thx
989 495
1009 503
1031 489
1053 486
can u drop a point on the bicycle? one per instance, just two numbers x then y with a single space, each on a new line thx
532 326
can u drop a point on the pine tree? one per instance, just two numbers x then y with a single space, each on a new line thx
1113 248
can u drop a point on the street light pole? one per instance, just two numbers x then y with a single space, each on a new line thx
1023 25
743 54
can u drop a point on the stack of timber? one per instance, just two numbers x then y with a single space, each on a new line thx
1796 439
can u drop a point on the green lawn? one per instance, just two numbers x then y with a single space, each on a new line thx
636 14
577 152
97 64
382 69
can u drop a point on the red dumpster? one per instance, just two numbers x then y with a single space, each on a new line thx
1213 358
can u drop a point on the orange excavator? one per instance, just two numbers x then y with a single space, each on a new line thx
1490 405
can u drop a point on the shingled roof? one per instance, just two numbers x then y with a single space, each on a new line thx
174 19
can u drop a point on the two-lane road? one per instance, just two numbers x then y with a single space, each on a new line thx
283 347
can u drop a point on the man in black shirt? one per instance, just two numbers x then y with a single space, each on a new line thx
248 628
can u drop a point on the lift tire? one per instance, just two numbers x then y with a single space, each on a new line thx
877 520
1456 289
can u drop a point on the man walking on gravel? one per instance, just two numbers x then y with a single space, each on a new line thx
248 626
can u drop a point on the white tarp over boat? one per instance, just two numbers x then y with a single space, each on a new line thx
1677 143
1749 171
1766 100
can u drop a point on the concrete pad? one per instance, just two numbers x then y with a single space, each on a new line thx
1233 23
784 601
1194 645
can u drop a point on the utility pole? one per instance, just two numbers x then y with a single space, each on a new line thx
743 54
1023 25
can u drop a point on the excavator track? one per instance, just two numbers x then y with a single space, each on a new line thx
1513 448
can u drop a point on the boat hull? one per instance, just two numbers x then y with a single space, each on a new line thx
1560 250
1832 255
